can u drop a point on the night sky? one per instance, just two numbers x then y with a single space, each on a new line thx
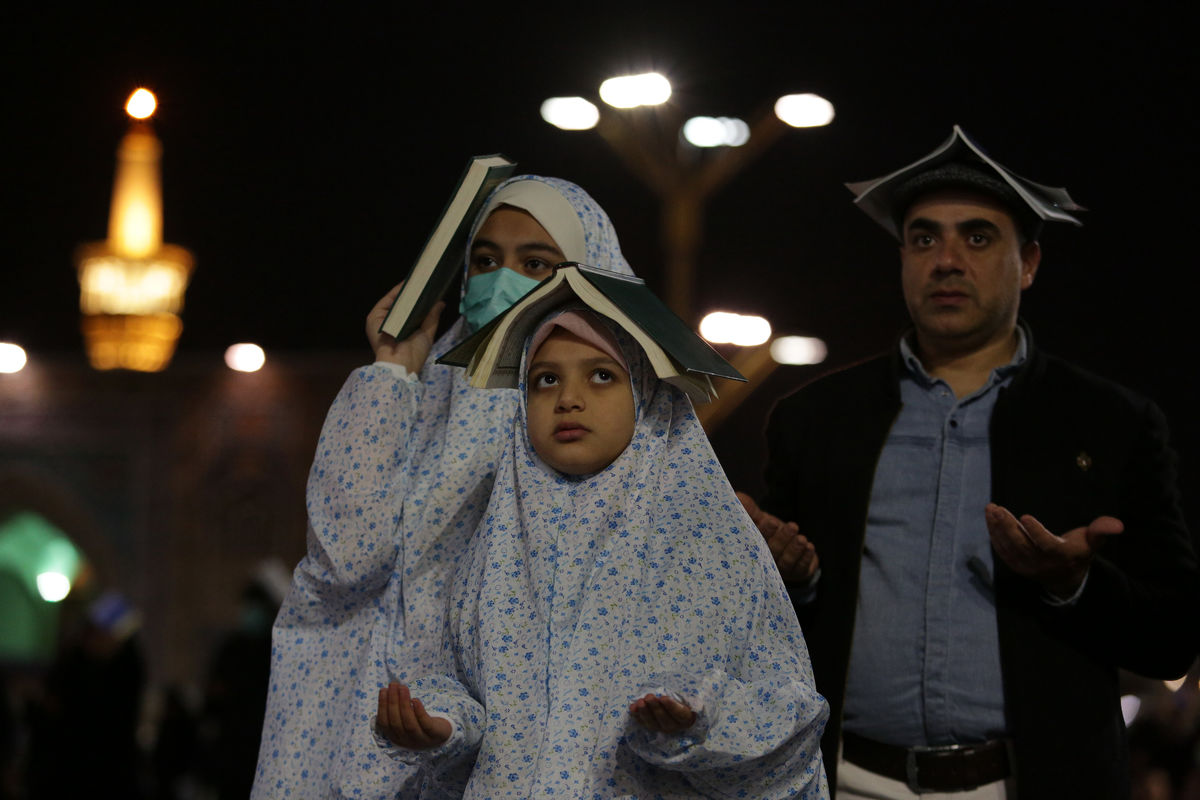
308 148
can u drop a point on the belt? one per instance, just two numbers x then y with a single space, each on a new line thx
945 768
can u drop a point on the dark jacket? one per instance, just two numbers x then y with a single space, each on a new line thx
1066 447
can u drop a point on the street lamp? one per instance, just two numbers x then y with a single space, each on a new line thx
635 131
652 140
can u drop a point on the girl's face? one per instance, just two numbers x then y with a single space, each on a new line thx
580 405
511 238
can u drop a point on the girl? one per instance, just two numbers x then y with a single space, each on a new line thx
617 627
402 473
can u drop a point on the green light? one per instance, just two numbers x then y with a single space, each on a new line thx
31 546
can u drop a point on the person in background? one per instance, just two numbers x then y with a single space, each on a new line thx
976 534
236 689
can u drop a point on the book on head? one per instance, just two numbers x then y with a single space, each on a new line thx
442 257
492 355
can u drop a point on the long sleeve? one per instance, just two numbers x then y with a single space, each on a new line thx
357 486
758 739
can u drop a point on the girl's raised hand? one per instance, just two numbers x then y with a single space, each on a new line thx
662 714
412 352
406 723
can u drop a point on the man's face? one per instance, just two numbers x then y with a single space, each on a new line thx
963 270
512 239
580 405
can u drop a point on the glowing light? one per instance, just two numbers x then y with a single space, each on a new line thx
12 357
1130 705
245 357
1176 684
722 327
716 132
631 91
804 110
53 586
570 113
798 350
141 104
113 285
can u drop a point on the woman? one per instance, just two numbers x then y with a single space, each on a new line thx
401 477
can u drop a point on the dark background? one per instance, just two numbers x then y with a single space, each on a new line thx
309 147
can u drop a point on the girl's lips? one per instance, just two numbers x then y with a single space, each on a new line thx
569 432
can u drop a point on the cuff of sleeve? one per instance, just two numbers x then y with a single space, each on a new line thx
399 370
407 755
804 592
1060 602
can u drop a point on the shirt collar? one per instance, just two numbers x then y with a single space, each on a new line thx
917 370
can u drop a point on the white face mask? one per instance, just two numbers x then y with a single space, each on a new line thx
490 294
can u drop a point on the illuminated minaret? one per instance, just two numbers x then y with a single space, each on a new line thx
132 285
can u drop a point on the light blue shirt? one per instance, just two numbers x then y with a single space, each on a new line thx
925 663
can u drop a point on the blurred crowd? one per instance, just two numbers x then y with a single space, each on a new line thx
90 724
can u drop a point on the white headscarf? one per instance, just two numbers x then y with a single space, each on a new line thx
400 479
577 596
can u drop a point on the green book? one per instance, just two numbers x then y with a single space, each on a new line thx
492 355
442 257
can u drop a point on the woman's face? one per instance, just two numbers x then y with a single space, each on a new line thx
580 405
512 239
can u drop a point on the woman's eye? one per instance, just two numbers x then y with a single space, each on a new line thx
537 265
484 263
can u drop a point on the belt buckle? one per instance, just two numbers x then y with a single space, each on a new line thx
910 762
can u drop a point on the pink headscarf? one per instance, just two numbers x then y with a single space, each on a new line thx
588 326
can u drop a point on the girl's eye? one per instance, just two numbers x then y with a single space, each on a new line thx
544 380
537 265
484 263
603 376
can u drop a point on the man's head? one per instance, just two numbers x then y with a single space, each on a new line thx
964 265
968 230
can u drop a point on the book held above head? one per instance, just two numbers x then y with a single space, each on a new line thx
492 355
441 257
959 161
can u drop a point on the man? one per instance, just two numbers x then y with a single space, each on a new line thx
976 534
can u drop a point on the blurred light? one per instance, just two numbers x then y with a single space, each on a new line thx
109 284
631 91
12 357
1176 684
245 357
722 327
1130 705
804 110
141 104
53 586
716 132
132 285
30 547
798 350
570 113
